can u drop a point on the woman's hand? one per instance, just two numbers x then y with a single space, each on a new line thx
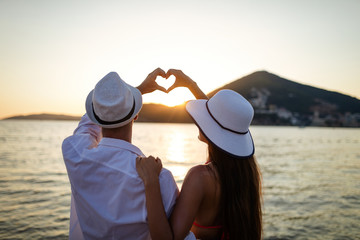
149 84
149 169
182 80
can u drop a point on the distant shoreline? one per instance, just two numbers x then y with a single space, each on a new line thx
44 116
62 117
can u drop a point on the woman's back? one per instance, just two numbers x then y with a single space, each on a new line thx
200 200
207 224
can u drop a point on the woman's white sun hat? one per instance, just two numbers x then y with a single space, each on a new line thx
224 119
113 103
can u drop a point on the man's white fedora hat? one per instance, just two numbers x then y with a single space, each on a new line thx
113 103
224 120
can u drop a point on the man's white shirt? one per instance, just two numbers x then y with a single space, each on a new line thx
108 196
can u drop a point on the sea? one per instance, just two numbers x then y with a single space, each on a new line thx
311 176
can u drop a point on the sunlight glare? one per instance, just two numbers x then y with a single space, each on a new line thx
176 149
176 97
176 154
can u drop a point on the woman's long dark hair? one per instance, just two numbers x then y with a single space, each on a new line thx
241 194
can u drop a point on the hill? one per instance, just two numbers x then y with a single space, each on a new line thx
291 95
279 101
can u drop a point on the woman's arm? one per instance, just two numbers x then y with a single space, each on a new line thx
149 170
186 207
183 80
188 203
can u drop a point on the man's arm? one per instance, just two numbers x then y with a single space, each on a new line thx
86 126
86 135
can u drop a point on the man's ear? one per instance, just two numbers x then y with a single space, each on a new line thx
136 117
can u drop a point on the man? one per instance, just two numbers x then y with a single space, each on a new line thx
108 197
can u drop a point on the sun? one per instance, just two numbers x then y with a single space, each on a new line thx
175 97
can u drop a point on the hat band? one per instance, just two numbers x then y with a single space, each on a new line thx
207 107
127 117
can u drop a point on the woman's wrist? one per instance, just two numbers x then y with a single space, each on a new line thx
192 85
196 91
152 181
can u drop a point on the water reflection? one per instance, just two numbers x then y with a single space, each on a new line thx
176 147
311 176
176 154
175 144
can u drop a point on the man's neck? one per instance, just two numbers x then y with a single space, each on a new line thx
122 133
125 138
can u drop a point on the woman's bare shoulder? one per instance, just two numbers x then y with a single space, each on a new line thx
198 170
199 174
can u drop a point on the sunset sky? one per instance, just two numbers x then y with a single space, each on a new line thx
52 53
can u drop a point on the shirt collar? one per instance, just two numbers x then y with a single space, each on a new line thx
118 143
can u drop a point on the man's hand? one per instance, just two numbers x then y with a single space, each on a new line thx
149 84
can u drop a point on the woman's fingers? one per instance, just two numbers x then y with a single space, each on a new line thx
178 78
171 88
148 165
174 72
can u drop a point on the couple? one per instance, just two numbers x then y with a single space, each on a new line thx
118 193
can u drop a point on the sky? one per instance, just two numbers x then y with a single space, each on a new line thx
52 53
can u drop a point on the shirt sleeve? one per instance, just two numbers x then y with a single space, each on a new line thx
75 232
86 126
169 190
86 136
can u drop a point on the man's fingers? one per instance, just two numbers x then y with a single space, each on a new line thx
162 73
159 72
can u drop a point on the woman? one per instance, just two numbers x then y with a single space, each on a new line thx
222 198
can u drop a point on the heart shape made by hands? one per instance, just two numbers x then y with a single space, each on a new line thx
165 83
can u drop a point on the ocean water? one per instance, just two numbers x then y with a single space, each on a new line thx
311 176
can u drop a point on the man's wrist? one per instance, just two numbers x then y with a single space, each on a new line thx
141 89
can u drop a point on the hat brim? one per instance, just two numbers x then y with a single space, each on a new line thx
238 145
138 105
